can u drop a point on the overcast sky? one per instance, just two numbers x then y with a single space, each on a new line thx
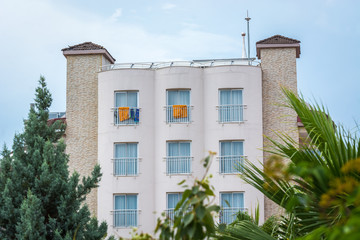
32 34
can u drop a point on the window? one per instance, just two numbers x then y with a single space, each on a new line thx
178 106
231 156
125 210
231 105
126 110
178 160
172 201
126 159
231 204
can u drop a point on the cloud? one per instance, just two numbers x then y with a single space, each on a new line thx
168 6
116 15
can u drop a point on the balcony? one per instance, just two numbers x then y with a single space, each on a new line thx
125 218
178 165
126 166
228 214
178 113
231 164
231 113
126 116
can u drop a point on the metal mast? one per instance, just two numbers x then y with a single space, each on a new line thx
248 33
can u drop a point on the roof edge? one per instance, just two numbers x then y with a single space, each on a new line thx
260 46
90 52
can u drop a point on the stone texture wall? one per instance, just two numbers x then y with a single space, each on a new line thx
81 117
279 69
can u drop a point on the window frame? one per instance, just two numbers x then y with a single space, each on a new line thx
137 209
242 105
127 121
168 156
220 156
169 111
137 159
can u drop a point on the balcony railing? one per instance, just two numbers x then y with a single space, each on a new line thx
178 113
126 218
231 164
126 116
170 214
194 64
178 165
231 113
126 166
228 215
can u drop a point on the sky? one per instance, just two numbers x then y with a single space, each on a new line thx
32 34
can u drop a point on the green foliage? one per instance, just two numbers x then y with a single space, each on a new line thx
247 227
31 225
319 196
194 214
244 230
38 197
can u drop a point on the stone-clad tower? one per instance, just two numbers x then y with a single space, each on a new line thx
278 63
83 62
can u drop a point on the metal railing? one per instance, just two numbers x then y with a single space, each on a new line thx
170 214
178 113
228 215
194 63
178 165
126 166
124 116
53 115
231 164
125 218
231 113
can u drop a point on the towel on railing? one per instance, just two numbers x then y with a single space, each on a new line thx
136 119
123 113
179 111
132 113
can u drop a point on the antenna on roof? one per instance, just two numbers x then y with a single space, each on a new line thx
248 33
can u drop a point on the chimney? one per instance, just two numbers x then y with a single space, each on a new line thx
243 49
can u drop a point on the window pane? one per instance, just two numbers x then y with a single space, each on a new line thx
131 202
237 148
184 97
226 200
184 149
173 149
236 97
172 98
132 99
120 202
120 150
173 199
120 99
238 200
226 149
225 97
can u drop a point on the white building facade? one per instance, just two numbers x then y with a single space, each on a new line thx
156 122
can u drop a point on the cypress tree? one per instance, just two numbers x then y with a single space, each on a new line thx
35 184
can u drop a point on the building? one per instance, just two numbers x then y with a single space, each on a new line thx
148 125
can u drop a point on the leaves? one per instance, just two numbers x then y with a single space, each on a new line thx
38 197
194 213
